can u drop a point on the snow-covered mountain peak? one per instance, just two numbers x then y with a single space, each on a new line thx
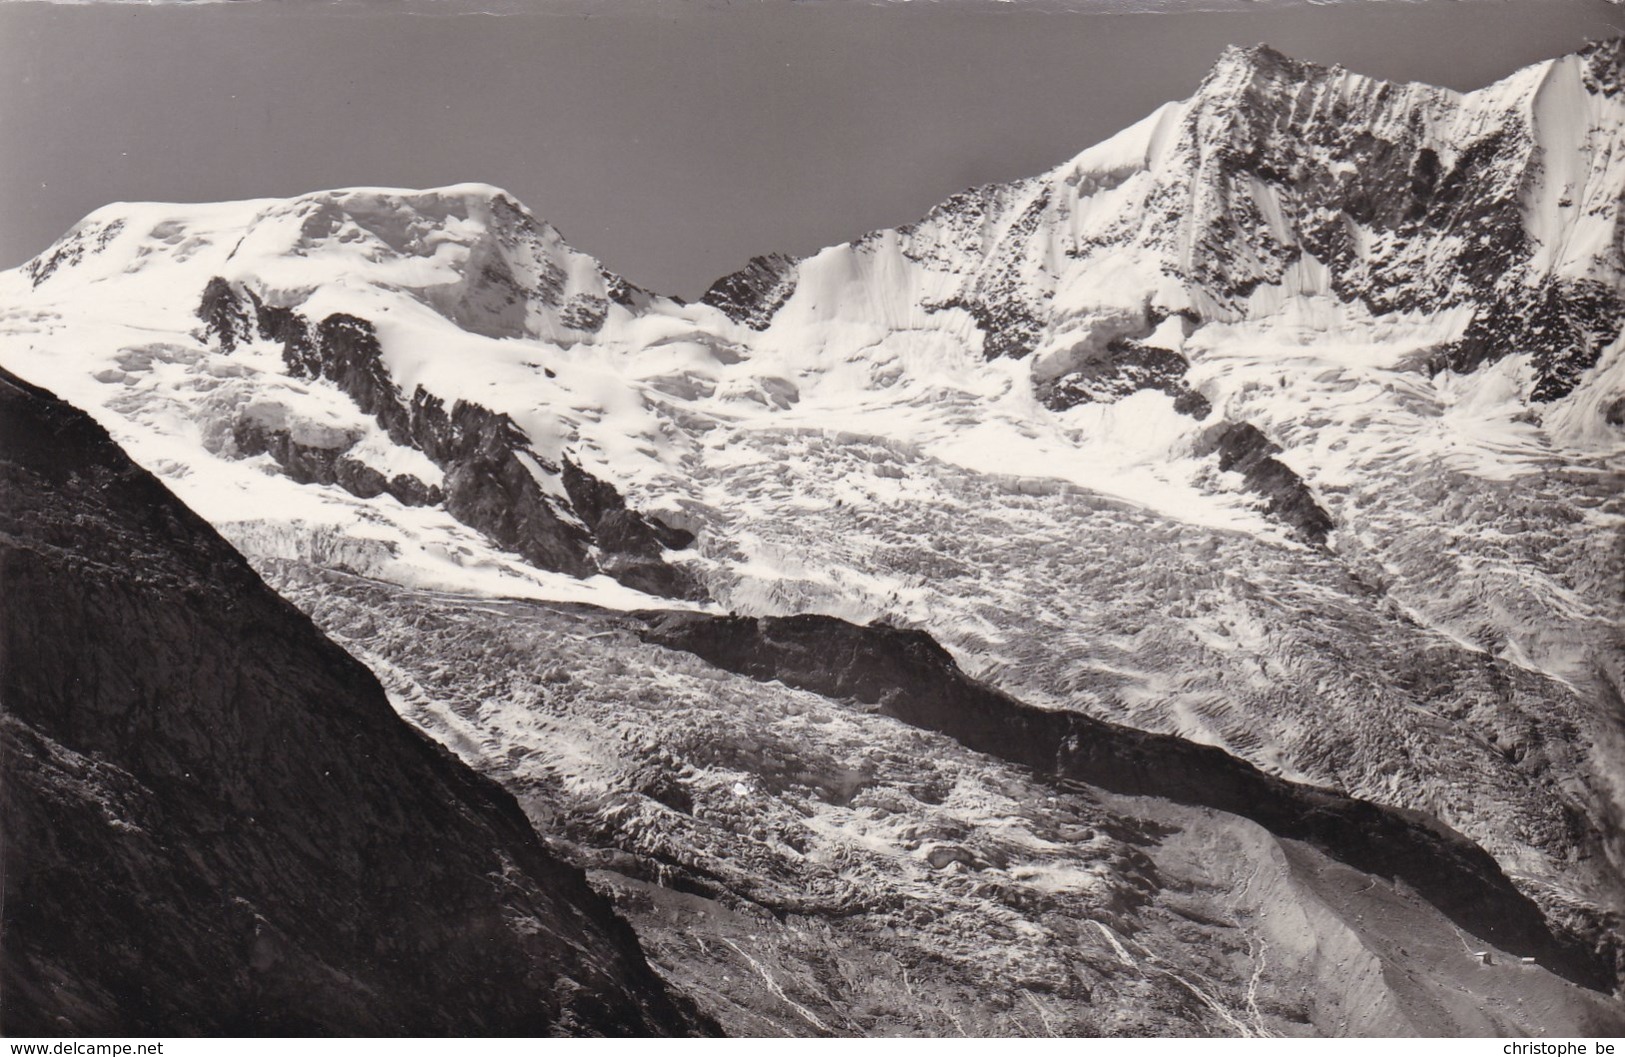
1305 200
1101 323
415 367
471 252
1251 90
1240 67
382 224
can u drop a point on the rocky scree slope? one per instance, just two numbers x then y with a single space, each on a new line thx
215 824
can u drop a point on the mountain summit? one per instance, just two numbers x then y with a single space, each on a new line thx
1289 198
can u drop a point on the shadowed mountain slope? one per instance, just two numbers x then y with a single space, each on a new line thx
213 821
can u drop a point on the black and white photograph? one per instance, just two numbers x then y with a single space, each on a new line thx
920 519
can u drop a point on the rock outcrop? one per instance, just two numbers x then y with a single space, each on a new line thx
1243 449
752 294
495 481
1127 366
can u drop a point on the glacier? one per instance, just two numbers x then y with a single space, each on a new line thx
1290 420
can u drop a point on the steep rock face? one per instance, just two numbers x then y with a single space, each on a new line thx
1009 297
494 480
912 678
1413 199
752 294
214 823
329 464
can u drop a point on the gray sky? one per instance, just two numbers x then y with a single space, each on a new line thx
672 140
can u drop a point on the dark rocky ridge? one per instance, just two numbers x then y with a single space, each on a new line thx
214 822
313 463
755 292
1244 449
488 485
912 678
